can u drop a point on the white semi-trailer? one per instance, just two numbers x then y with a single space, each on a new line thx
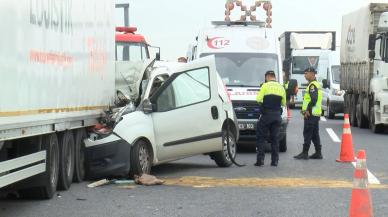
364 66
56 77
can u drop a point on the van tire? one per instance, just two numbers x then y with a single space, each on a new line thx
66 160
222 157
140 158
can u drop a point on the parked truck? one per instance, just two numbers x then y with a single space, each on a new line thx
57 76
302 49
364 66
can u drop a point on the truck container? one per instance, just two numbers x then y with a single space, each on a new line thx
57 76
364 68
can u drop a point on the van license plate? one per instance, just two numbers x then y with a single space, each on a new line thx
244 126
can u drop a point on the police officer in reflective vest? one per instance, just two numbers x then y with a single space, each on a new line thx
311 110
271 98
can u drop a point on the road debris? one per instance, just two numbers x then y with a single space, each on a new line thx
147 180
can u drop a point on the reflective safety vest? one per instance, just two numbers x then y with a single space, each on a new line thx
286 85
317 108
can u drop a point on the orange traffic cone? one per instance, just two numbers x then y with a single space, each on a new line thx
361 202
347 152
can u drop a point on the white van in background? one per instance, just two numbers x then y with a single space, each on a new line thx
244 51
333 96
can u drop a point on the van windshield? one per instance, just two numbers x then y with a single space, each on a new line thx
244 69
336 74
300 63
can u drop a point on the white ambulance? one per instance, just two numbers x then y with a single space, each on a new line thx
244 51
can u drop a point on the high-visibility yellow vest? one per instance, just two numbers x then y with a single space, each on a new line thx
317 108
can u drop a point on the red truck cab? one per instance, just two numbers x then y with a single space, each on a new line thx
130 46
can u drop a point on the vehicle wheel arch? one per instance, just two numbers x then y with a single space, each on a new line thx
232 126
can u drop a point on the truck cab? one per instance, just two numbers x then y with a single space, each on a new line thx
130 46
243 52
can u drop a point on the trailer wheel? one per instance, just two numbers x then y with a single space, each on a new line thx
50 177
353 111
141 158
362 122
66 160
79 160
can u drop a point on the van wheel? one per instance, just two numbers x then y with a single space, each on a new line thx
141 158
222 158
49 179
79 155
329 113
283 144
376 128
66 160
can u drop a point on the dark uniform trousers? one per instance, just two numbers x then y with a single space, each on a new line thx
268 124
311 133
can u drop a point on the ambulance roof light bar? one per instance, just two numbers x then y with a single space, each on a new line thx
239 23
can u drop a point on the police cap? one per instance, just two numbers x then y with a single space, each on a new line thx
310 69
270 73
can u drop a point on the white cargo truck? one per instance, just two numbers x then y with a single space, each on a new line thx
244 51
57 76
364 66
302 49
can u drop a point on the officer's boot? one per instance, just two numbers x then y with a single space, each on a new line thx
317 154
304 155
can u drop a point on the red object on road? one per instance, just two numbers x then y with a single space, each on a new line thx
347 151
361 202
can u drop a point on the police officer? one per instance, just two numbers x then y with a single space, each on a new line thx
311 110
271 98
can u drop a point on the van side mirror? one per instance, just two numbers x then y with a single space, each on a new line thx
325 84
372 42
148 107
372 54
157 56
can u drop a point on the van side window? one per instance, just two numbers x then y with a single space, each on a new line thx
188 88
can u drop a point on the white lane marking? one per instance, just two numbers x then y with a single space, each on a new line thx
323 118
372 179
332 134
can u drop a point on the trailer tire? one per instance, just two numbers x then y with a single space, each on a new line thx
362 122
79 160
140 158
353 110
66 160
50 177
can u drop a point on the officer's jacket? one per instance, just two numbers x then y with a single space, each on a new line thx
312 99
271 96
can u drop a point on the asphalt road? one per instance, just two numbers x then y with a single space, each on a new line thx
197 187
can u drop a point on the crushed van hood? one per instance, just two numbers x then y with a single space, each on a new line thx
129 77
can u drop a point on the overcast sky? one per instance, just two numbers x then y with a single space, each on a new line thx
173 24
